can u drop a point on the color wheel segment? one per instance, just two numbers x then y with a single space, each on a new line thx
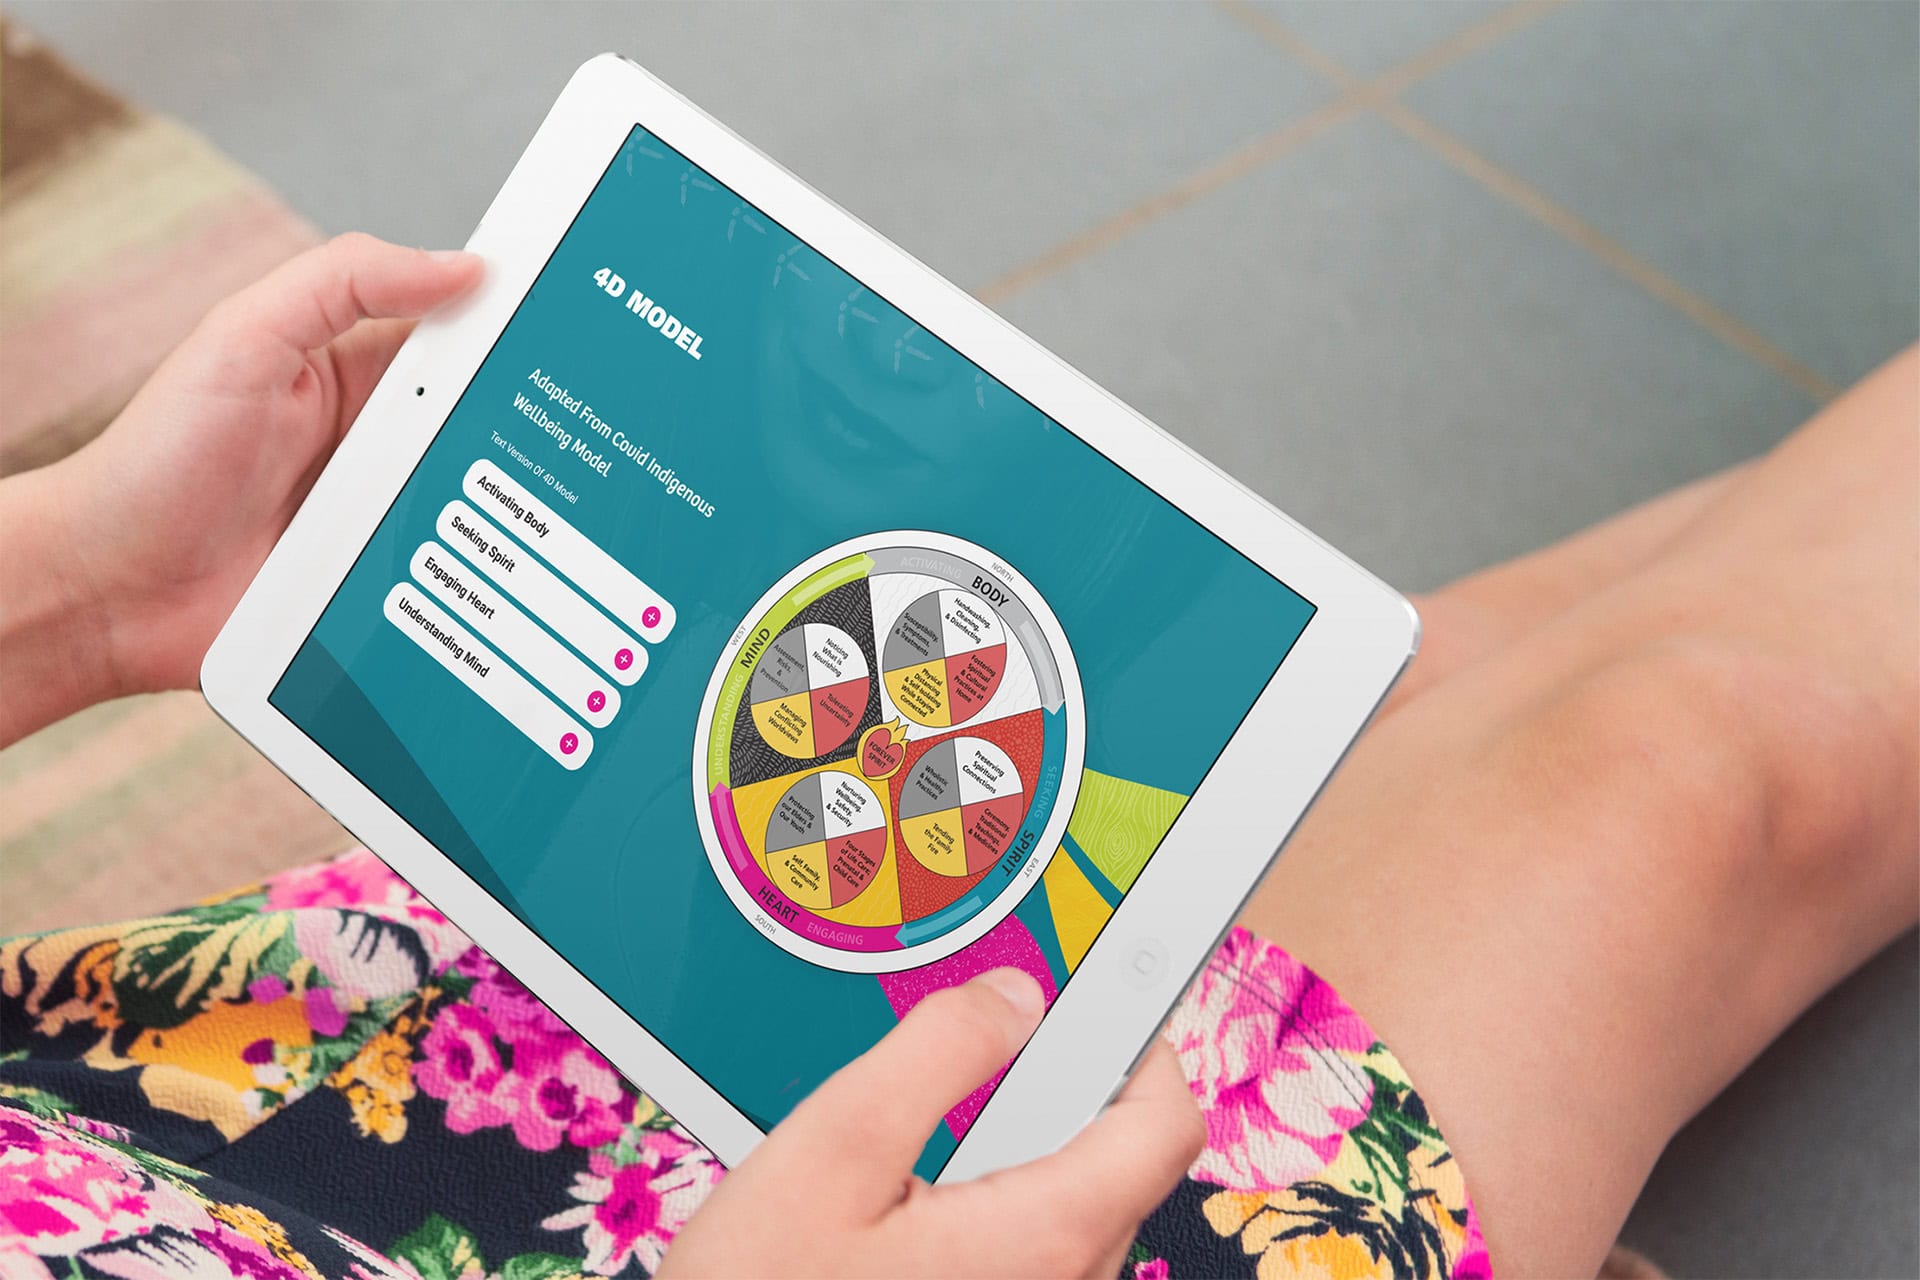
826 840
944 658
960 806
809 690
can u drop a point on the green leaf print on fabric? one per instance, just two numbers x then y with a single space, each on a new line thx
441 1250
174 967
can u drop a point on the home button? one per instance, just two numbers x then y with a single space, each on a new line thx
1143 963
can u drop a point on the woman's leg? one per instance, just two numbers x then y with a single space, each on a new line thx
1491 608
1580 880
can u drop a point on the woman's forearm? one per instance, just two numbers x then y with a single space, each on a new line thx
55 655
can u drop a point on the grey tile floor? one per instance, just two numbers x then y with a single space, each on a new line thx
1493 271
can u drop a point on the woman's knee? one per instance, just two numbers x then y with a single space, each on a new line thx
1659 747
1719 758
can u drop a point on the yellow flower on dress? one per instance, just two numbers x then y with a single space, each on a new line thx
378 1083
1323 1231
1293 1236
203 1068
1228 1212
1326 1256
415 1016
264 1231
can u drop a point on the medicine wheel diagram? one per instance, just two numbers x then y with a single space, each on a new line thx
888 751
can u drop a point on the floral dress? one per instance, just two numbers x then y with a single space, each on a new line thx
320 1076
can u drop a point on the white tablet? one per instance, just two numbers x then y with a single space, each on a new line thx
743 633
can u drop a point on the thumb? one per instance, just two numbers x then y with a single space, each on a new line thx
316 297
855 1139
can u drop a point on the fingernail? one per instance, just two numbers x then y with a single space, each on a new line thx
450 255
1018 990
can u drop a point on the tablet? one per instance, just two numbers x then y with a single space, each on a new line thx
742 633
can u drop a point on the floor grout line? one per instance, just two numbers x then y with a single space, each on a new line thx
1382 97
1583 235
1481 35
1282 37
1119 226
1357 95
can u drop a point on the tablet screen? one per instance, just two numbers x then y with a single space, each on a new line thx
771 660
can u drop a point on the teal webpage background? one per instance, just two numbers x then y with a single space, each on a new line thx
816 412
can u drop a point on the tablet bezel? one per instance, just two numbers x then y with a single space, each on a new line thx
1360 637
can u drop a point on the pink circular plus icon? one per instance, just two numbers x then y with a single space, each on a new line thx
650 616
596 700
623 659
568 744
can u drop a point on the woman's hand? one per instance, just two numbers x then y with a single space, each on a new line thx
122 561
832 1193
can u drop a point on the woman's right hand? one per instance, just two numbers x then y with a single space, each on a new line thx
831 1192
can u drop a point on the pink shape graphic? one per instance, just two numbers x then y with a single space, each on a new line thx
568 744
1007 944
650 617
623 659
596 700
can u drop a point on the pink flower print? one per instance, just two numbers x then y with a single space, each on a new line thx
463 1069
477 964
170 1254
241 1255
60 1192
563 1089
355 879
516 1012
1150 1269
598 1124
442 941
633 1211
1260 1039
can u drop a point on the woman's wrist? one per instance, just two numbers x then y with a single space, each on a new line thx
56 627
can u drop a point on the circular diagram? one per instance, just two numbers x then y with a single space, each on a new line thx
888 751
